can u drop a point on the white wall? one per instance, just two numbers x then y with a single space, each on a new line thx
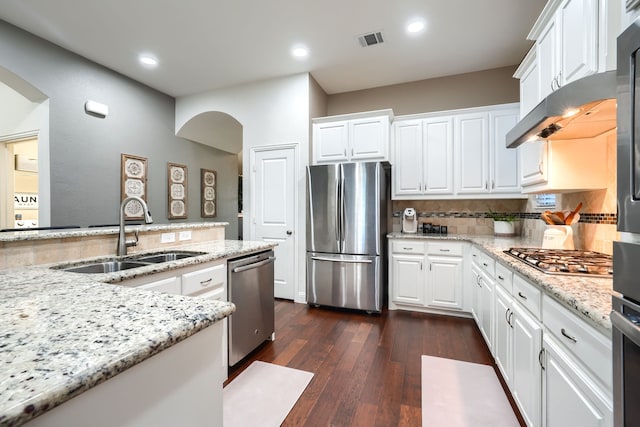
271 112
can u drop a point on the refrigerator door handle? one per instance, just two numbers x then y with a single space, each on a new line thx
341 243
338 208
352 261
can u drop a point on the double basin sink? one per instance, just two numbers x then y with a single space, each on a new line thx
119 264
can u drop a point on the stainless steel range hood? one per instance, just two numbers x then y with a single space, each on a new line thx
581 109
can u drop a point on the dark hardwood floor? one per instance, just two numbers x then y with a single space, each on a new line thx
366 367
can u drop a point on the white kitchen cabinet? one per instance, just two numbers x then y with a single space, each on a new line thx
504 163
426 275
569 397
352 137
564 166
486 310
547 53
503 339
423 155
472 148
529 78
445 278
407 276
578 43
457 154
526 345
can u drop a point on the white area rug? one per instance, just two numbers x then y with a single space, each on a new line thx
461 394
262 395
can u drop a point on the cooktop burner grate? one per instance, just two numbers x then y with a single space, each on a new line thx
564 261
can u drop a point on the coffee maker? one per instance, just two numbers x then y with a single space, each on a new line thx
409 221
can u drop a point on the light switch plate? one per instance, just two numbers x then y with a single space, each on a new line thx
185 235
168 237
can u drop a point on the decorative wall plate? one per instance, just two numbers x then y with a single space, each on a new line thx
207 193
133 182
177 190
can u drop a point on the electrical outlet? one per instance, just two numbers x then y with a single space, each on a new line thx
185 235
168 238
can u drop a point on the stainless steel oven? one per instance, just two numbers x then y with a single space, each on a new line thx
625 317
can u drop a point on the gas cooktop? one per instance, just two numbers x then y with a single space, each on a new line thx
564 261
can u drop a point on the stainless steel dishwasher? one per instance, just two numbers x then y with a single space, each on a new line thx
251 290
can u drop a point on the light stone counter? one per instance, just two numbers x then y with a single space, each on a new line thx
588 297
64 333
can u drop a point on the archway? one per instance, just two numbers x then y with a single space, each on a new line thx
223 132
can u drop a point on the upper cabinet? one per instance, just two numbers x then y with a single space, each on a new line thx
573 39
352 137
456 154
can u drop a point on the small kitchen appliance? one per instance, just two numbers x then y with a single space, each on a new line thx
409 221
558 237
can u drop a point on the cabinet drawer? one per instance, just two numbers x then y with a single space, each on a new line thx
528 295
170 285
407 246
590 346
504 277
487 264
445 248
204 280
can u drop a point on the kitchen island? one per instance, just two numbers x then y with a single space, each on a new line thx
80 349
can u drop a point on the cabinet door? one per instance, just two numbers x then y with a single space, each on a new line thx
475 295
533 162
578 23
330 141
408 279
529 84
408 158
486 310
526 381
472 146
369 138
170 285
504 161
444 282
502 340
546 54
438 155
569 399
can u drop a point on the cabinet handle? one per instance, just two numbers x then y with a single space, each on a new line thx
407 249
540 167
523 296
509 321
420 265
486 185
352 152
500 277
506 316
485 264
430 265
569 337
475 255
493 184
206 282
540 355
445 250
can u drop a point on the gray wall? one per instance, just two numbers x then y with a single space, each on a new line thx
85 150
489 87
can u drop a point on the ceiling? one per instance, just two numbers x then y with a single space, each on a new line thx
209 44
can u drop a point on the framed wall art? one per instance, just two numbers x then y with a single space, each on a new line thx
133 182
177 191
208 201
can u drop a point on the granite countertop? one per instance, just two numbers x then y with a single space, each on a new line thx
588 297
69 233
64 333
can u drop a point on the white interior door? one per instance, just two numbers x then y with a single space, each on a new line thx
274 195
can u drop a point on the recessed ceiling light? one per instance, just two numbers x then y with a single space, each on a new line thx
300 52
415 26
148 60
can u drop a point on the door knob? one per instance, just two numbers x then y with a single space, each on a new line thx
289 232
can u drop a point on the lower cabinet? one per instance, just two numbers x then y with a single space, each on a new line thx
570 398
426 275
208 280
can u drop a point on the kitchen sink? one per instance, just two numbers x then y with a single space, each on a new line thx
167 256
103 267
114 265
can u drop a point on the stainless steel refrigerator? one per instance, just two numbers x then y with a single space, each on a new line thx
347 220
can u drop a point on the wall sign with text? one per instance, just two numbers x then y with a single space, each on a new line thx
25 201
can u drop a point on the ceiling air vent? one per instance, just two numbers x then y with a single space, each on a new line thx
370 39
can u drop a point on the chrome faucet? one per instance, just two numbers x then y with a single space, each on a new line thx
123 243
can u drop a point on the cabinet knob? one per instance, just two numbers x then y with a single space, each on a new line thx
289 232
